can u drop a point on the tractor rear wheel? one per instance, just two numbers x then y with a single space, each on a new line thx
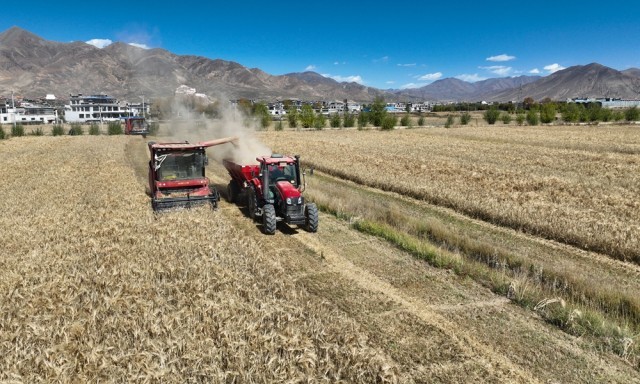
252 203
311 215
269 219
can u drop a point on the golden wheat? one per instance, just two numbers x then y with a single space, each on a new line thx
578 185
95 287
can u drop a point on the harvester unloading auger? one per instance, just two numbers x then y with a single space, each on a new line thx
177 174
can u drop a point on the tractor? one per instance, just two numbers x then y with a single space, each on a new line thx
177 174
273 192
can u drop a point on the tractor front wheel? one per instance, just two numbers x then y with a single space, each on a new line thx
311 215
269 219
252 203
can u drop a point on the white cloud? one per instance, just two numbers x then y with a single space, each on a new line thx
412 86
99 43
310 67
139 45
383 59
430 76
555 67
534 71
500 70
407 65
390 82
503 57
348 79
470 78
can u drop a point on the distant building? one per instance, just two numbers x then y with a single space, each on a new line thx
84 109
28 113
606 102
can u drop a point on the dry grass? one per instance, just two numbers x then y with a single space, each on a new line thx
95 287
577 185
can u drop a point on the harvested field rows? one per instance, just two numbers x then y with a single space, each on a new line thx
95 287
577 185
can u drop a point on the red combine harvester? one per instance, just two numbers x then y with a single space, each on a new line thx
272 189
136 125
177 177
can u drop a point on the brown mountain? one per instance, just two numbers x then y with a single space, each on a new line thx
592 80
458 90
32 67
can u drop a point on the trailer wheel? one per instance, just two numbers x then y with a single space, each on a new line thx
311 215
252 203
269 219
232 192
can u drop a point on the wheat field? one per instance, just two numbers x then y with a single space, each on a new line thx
573 184
95 287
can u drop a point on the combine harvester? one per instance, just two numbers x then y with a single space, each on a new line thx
273 191
136 125
177 174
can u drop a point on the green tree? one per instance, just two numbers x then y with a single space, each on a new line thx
261 112
632 114
450 121
421 121
389 122
335 120
349 120
465 118
363 119
292 116
405 121
378 112
320 121
571 113
491 115
547 112
505 117
532 117
307 116
2 134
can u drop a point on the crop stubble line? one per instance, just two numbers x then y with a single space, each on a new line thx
426 313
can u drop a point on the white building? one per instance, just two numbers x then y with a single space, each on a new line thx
28 114
83 109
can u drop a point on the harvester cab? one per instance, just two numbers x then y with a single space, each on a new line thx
136 125
177 174
273 191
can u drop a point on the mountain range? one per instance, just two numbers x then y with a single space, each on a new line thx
31 67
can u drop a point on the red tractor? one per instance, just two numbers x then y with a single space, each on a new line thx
273 192
136 125
177 174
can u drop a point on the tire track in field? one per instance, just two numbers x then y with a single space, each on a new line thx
421 310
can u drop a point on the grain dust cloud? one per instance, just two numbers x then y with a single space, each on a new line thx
188 125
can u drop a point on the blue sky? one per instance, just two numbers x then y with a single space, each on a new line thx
379 44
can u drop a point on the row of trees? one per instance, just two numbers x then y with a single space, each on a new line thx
307 117
569 113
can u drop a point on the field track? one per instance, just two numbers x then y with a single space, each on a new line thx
97 287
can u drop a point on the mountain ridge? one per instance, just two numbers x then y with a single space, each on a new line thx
33 67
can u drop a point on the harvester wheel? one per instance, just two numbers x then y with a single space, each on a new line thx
269 219
232 192
311 214
252 203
